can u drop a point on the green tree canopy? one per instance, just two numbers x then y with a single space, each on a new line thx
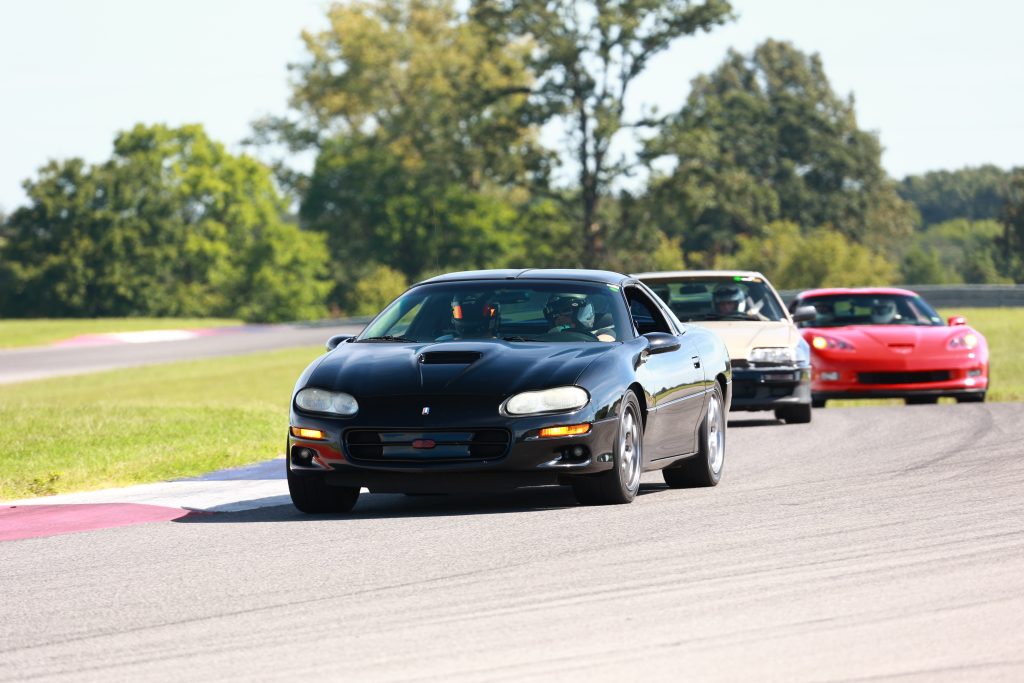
586 55
971 193
823 257
1013 227
171 224
765 138
956 251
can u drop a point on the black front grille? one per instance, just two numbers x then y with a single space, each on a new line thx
903 377
415 446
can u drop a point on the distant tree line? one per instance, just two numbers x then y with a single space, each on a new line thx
424 118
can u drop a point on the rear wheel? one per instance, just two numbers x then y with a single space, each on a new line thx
798 414
705 468
312 495
620 484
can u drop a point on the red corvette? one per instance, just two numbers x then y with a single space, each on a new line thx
885 343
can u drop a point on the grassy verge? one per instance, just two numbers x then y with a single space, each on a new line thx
145 424
41 331
1002 327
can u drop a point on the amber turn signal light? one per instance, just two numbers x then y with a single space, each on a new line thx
565 430
304 433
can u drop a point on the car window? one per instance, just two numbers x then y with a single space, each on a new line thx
719 297
647 317
548 311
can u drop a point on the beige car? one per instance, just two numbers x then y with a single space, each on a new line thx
770 359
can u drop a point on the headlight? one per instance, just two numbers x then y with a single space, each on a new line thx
558 400
821 343
776 355
323 401
963 341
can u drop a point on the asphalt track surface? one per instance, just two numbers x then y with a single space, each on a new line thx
18 365
874 544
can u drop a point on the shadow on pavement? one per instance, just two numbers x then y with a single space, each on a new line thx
763 422
397 506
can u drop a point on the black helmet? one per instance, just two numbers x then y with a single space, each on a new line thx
474 315
578 307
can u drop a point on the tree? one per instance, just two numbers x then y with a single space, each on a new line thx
171 225
1013 227
586 55
765 138
956 251
423 138
822 257
971 193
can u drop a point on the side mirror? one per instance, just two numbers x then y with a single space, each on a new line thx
804 314
337 339
957 320
661 342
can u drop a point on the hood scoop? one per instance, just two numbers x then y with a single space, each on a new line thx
449 357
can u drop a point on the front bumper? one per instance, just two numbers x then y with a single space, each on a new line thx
391 465
871 380
770 387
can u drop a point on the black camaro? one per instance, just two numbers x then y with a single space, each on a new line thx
491 380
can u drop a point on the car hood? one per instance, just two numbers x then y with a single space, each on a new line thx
485 368
740 336
894 336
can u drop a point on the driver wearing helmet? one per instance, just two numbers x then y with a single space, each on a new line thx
568 313
883 312
474 316
729 300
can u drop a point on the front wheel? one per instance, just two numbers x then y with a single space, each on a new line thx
312 495
620 484
705 468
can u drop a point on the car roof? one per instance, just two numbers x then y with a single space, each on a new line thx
673 274
600 276
839 291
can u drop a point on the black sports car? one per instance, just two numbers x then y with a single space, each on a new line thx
491 380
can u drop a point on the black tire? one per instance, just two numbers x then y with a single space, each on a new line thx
620 484
704 468
794 415
818 402
971 398
312 495
921 400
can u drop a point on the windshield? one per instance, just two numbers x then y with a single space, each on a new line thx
869 309
514 311
719 298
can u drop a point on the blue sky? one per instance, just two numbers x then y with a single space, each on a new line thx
941 82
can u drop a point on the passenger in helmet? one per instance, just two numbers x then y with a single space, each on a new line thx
474 316
883 311
573 313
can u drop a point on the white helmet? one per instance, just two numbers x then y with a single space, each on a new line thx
883 311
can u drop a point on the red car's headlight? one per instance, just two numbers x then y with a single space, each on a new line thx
822 342
963 341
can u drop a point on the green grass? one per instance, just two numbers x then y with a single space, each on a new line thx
145 424
1002 327
36 332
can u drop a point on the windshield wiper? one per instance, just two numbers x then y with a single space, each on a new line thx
388 338
518 339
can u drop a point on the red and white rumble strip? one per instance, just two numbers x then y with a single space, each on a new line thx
234 490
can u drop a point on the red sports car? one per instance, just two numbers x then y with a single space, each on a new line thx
885 343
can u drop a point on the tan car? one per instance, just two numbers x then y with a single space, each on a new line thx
771 361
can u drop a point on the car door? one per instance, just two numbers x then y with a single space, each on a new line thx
674 382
